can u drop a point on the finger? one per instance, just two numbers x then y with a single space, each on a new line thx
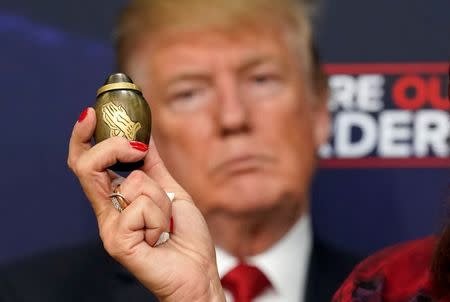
82 132
107 153
143 215
111 109
138 183
155 168
107 118
92 164
121 120
111 118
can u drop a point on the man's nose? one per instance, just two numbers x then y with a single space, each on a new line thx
233 114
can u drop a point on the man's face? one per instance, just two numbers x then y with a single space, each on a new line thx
234 117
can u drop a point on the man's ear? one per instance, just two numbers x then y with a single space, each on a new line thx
322 120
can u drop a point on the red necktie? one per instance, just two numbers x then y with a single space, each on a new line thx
245 282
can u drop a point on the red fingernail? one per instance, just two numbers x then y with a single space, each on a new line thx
171 225
83 115
139 146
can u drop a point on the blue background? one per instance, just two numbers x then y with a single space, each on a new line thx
55 54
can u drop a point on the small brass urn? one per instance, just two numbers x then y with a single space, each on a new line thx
121 110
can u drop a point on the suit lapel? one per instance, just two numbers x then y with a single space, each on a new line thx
313 278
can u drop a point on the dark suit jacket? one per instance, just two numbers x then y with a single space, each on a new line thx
87 273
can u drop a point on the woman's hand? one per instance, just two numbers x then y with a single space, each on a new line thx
183 268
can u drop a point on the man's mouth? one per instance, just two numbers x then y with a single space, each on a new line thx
243 163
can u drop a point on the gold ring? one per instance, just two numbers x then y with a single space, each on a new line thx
118 200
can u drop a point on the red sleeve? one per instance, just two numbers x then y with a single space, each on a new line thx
398 273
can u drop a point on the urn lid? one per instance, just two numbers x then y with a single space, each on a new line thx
118 81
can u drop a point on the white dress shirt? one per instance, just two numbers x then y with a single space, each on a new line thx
285 264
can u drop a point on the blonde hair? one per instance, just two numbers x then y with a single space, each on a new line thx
144 17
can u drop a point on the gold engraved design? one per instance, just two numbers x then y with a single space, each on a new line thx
119 122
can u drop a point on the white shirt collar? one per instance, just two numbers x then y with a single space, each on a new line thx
285 264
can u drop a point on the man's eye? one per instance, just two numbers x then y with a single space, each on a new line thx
262 78
184 95
189 99
262 84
